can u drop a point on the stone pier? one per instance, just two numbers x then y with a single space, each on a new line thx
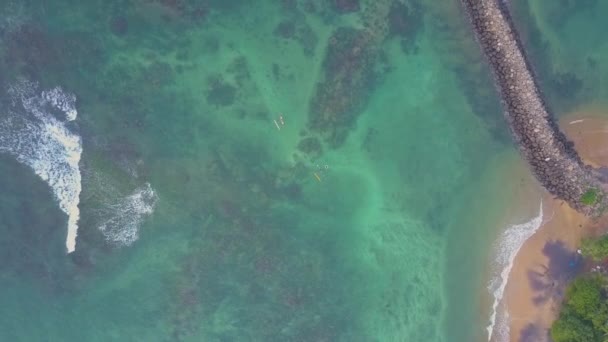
551 156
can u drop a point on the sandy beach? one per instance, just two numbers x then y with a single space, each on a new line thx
548 259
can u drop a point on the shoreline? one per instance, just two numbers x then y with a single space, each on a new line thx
547 259
519 221
541 271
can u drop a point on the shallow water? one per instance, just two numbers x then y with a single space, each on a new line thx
255 171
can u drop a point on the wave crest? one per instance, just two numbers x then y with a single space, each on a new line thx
36 138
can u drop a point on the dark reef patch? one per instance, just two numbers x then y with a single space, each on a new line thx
220 93
348 77
285 29
240 70
311 146
346 6
296 28
276 71
405 21
307 39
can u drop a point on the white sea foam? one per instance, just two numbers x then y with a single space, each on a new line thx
62 101
126 215
509 243
31 133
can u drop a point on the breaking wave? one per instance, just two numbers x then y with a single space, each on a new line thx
509 244
125 215
37 138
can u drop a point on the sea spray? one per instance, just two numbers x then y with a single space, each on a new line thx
507 247
37 138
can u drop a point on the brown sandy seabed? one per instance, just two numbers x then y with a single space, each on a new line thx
532 309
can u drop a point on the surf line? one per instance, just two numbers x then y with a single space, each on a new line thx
46 144
550 155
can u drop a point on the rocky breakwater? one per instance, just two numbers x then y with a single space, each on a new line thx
550 154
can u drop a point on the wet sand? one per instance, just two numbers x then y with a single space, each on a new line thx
546 261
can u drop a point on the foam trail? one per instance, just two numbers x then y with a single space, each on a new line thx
509 244
127 214
38 139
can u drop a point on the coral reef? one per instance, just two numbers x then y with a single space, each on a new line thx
349 75
352 67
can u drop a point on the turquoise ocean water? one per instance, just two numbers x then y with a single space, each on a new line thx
289 170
